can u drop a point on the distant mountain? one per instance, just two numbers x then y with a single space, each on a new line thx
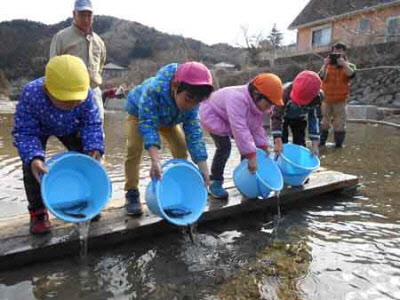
25 45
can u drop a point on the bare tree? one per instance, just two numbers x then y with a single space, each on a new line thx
253 43
140 69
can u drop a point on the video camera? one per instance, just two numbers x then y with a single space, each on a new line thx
334 57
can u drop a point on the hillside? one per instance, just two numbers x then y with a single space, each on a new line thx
25 45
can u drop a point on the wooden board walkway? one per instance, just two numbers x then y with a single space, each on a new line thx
18 247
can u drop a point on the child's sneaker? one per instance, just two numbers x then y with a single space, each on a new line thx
217 191
40 222
133 205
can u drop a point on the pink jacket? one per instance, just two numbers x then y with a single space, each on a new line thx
232 112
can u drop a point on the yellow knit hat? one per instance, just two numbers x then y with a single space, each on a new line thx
67 78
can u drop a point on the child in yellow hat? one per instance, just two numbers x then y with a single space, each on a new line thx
61 105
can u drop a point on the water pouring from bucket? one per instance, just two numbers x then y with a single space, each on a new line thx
180 196
297 163
76 187
267 178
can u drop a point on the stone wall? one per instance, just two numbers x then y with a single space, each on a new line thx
380 87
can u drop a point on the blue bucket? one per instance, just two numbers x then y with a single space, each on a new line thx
180 196
76 187
297 163
268 177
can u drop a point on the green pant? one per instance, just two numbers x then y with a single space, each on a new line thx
174 137
334 114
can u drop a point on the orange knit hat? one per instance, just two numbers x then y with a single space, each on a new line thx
270 86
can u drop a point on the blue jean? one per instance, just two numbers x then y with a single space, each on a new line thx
222 153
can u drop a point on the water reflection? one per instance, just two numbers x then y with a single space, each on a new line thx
353 242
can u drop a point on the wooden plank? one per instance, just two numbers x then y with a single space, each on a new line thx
18 247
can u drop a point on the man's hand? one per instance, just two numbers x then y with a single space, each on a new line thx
341 62
204 171
278 146
37 167
327 61
95 154
315 148
252 164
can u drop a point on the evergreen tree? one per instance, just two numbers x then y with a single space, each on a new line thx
275 38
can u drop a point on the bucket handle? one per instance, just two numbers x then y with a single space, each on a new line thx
174 161
181 160
260 191
154 181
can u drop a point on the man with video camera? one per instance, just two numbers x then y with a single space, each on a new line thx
336 74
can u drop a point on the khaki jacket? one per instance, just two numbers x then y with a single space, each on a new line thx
90 48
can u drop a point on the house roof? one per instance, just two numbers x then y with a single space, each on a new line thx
111 66
318 10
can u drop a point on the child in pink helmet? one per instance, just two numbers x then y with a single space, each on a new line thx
160 105
302 99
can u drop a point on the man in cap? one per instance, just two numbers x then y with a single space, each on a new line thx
80 40
336 74
60 104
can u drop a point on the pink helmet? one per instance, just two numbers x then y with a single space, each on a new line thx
194 73
306 87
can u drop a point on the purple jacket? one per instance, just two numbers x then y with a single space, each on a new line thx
232 112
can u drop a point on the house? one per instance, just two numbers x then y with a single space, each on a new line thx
111 71
354 22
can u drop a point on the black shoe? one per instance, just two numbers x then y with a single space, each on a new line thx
323 137
339 137
96 218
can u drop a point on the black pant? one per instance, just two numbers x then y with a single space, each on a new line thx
298 128
72 142
222 153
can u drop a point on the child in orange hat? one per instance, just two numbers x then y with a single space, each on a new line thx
238 112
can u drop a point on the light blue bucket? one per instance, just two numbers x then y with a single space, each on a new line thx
180 196
76 187
297 163
268 177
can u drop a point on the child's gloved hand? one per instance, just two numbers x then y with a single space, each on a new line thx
278 146
37 167
155 169
252 164
204 171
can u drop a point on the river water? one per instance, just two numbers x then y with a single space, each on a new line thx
337 247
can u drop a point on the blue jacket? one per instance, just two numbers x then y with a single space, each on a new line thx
152 104
36 116
292 111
